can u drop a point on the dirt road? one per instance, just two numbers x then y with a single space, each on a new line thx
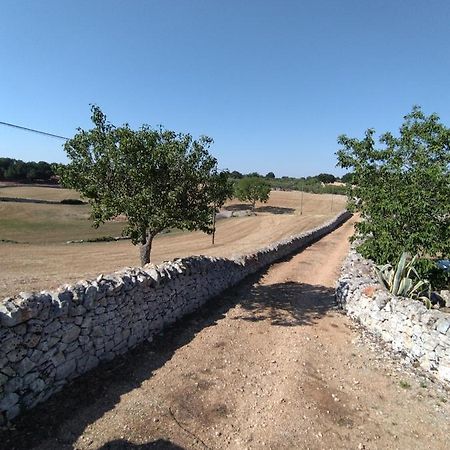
271 364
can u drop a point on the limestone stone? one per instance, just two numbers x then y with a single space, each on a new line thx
71 333
443 325
65 370
8 401
419 334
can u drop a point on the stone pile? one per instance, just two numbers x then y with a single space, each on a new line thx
422 335
49 338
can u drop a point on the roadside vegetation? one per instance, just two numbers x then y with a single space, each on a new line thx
401 190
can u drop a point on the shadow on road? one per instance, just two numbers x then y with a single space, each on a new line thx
287 304
160 444
61 420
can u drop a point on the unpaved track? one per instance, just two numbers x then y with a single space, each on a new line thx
272 364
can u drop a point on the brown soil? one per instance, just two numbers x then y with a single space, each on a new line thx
271 364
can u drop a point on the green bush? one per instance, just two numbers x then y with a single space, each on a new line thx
401 189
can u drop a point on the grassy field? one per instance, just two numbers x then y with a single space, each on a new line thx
46 261
40 223
39 193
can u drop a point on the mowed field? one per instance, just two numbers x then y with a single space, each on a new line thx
41 258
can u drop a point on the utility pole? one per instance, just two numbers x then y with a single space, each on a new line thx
301 204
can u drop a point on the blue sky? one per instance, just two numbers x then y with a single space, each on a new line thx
273 82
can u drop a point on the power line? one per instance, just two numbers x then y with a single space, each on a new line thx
33 131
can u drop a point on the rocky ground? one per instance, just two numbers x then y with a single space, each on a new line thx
272 364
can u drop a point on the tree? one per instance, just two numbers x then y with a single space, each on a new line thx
252 190
235 174
347 178
253 175
270 175
326 178
401 189
158 179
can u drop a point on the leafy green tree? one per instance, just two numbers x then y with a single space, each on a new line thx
253 175
158 179
326 178
347 178
270 175
402 188
235 174
252 190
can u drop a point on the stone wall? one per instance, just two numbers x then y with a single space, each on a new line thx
49 338
421 334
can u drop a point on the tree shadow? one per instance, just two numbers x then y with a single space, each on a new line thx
58 422
287 304
238 207
275 210
160 444
61 420
260 209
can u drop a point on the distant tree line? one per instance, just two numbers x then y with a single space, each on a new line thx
41 171
26 172
317 184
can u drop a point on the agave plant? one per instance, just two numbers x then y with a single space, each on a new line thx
403 280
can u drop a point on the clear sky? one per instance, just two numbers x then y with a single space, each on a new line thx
273 82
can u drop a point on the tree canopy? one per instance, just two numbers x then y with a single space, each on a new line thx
401 188
252 189
326 178
18 170
157 178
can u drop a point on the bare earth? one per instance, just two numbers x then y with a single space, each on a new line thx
46 265
271 364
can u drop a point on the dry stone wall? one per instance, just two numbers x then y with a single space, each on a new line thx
49 338
421 334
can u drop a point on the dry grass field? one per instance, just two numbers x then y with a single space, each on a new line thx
38 192
45 261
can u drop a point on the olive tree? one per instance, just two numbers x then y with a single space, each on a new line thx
157 179
252 189
401 189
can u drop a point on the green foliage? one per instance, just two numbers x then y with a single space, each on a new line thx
252 190
270 175
17 170
253 175
326 178
236 175
158 179
427 268
347 178
404 280
401 189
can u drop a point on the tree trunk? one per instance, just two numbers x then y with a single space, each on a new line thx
214 225
145 249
